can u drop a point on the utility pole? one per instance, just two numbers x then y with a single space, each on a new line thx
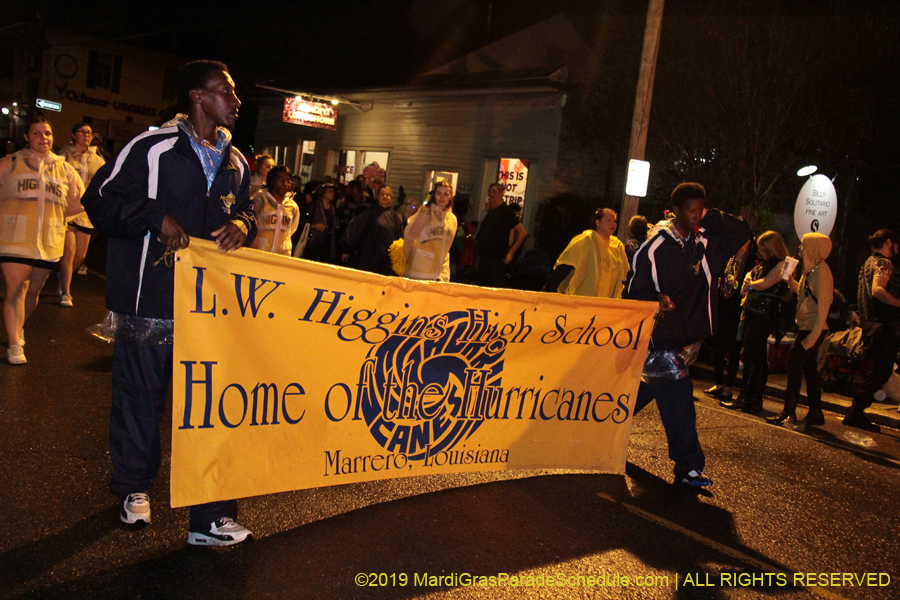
641 119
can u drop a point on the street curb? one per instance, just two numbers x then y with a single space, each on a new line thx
830 401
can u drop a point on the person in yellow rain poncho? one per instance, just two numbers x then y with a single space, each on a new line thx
594 263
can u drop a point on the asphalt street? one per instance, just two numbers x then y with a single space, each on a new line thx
791 515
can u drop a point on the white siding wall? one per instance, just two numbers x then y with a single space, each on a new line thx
456 134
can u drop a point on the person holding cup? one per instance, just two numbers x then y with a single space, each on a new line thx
764 288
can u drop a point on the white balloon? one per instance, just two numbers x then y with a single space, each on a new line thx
816 207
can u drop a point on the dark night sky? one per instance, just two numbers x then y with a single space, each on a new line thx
346 43
355 44
350 43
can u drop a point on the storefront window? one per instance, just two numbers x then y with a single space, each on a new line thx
374 168
343 165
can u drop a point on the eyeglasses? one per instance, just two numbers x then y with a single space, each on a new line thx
84 132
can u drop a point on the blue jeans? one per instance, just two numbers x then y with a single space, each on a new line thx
675 401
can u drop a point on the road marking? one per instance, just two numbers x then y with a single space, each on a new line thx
819 591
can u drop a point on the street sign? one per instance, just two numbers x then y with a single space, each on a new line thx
638 175
48 105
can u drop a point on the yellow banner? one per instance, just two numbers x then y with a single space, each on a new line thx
290 374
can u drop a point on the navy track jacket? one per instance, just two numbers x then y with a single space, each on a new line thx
156 174
687 271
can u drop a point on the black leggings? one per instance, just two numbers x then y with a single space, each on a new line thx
802 363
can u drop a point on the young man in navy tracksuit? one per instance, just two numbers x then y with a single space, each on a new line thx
185 179
678 266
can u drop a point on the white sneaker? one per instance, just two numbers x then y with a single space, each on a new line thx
82 270
221 532
135 508
22 337
15 355
66 300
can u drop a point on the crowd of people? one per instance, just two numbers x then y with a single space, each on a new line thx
355 226
712 280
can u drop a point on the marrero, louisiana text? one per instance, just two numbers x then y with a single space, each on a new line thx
336 464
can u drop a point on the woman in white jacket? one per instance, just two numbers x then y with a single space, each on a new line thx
277 215
429 235
86 160
38 190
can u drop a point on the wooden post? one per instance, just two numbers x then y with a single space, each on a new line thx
641 119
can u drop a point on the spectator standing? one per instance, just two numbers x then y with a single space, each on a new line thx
462 252
321 246
38 190
351 205
764 289
492 240
594 263
86 160
726 346
877 304
277 215
368 237
367 191
196 184
264 164
814 294
637 229
674 267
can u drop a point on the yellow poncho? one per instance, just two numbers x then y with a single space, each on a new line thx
600 266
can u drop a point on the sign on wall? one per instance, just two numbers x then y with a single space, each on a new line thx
322 115
397 377
816 208
513 176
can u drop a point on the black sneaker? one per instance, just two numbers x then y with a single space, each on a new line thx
860 421
815 418
135 509
221 532
696 479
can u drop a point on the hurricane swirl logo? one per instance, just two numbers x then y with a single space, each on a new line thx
432 382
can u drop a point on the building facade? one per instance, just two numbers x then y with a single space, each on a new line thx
494 116
120 90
